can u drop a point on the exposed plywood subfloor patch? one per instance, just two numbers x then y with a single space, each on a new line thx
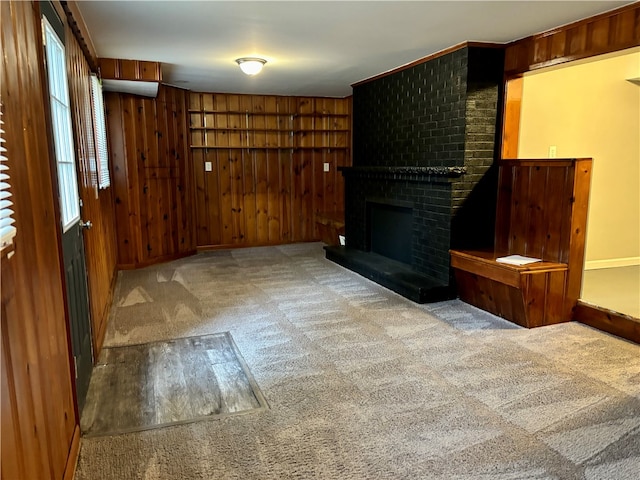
152 385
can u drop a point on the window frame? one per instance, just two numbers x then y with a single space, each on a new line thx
62 128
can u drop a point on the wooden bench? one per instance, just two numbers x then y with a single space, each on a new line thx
541 212
330 225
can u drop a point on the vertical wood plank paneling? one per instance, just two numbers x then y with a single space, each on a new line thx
556 184
13 458
202 223
154 199
534 289
540 201
566 205
262 195
100 241
268 182
213 185
184 168
518 224
237 196
226 216
119 176
165 184
605 33
142 188
273 194
249 197
38 407
286 219
556 294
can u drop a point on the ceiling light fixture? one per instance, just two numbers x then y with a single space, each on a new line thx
251 65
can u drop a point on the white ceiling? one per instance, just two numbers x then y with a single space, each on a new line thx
315 48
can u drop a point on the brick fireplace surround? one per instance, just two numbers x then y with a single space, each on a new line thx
424 144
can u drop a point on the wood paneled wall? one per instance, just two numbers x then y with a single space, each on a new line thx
267 155
119 69
39 423
151 176
608 32
100 240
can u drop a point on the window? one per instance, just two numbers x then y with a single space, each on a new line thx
100 132
7 230
62 132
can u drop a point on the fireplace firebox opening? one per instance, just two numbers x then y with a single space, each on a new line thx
390 228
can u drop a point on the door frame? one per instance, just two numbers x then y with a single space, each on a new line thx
53 10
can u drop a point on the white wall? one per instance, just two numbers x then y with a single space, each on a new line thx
589 109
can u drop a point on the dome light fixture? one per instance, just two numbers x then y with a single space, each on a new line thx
251 65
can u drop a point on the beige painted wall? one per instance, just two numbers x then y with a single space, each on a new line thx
588 109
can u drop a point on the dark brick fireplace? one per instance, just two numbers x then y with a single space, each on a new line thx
424 145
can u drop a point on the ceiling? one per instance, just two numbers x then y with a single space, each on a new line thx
314 48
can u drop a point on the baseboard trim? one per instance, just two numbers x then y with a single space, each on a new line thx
611 263
616 323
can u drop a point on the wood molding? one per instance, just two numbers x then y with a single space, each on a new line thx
428 58
511 123
72 458
608 32
134 70
609 321
81 32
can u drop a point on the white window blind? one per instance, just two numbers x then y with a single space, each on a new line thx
7 230
62 132
100 131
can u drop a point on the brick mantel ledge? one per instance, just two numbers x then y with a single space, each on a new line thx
416 174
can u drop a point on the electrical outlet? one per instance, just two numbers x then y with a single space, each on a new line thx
208 167
552 151
326 167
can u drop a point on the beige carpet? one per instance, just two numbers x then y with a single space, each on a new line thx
364 384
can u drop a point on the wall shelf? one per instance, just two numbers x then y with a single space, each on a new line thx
237 112
221 147
281 114
244 130
296 129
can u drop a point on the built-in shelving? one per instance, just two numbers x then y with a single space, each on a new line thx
287 128
266 166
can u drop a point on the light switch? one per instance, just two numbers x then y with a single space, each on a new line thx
208 167
552 151
326 167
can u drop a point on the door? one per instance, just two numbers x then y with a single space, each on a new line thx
71 224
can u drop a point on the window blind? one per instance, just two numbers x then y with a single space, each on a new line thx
7 230
100 131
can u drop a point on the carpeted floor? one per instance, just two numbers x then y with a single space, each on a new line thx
364 384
